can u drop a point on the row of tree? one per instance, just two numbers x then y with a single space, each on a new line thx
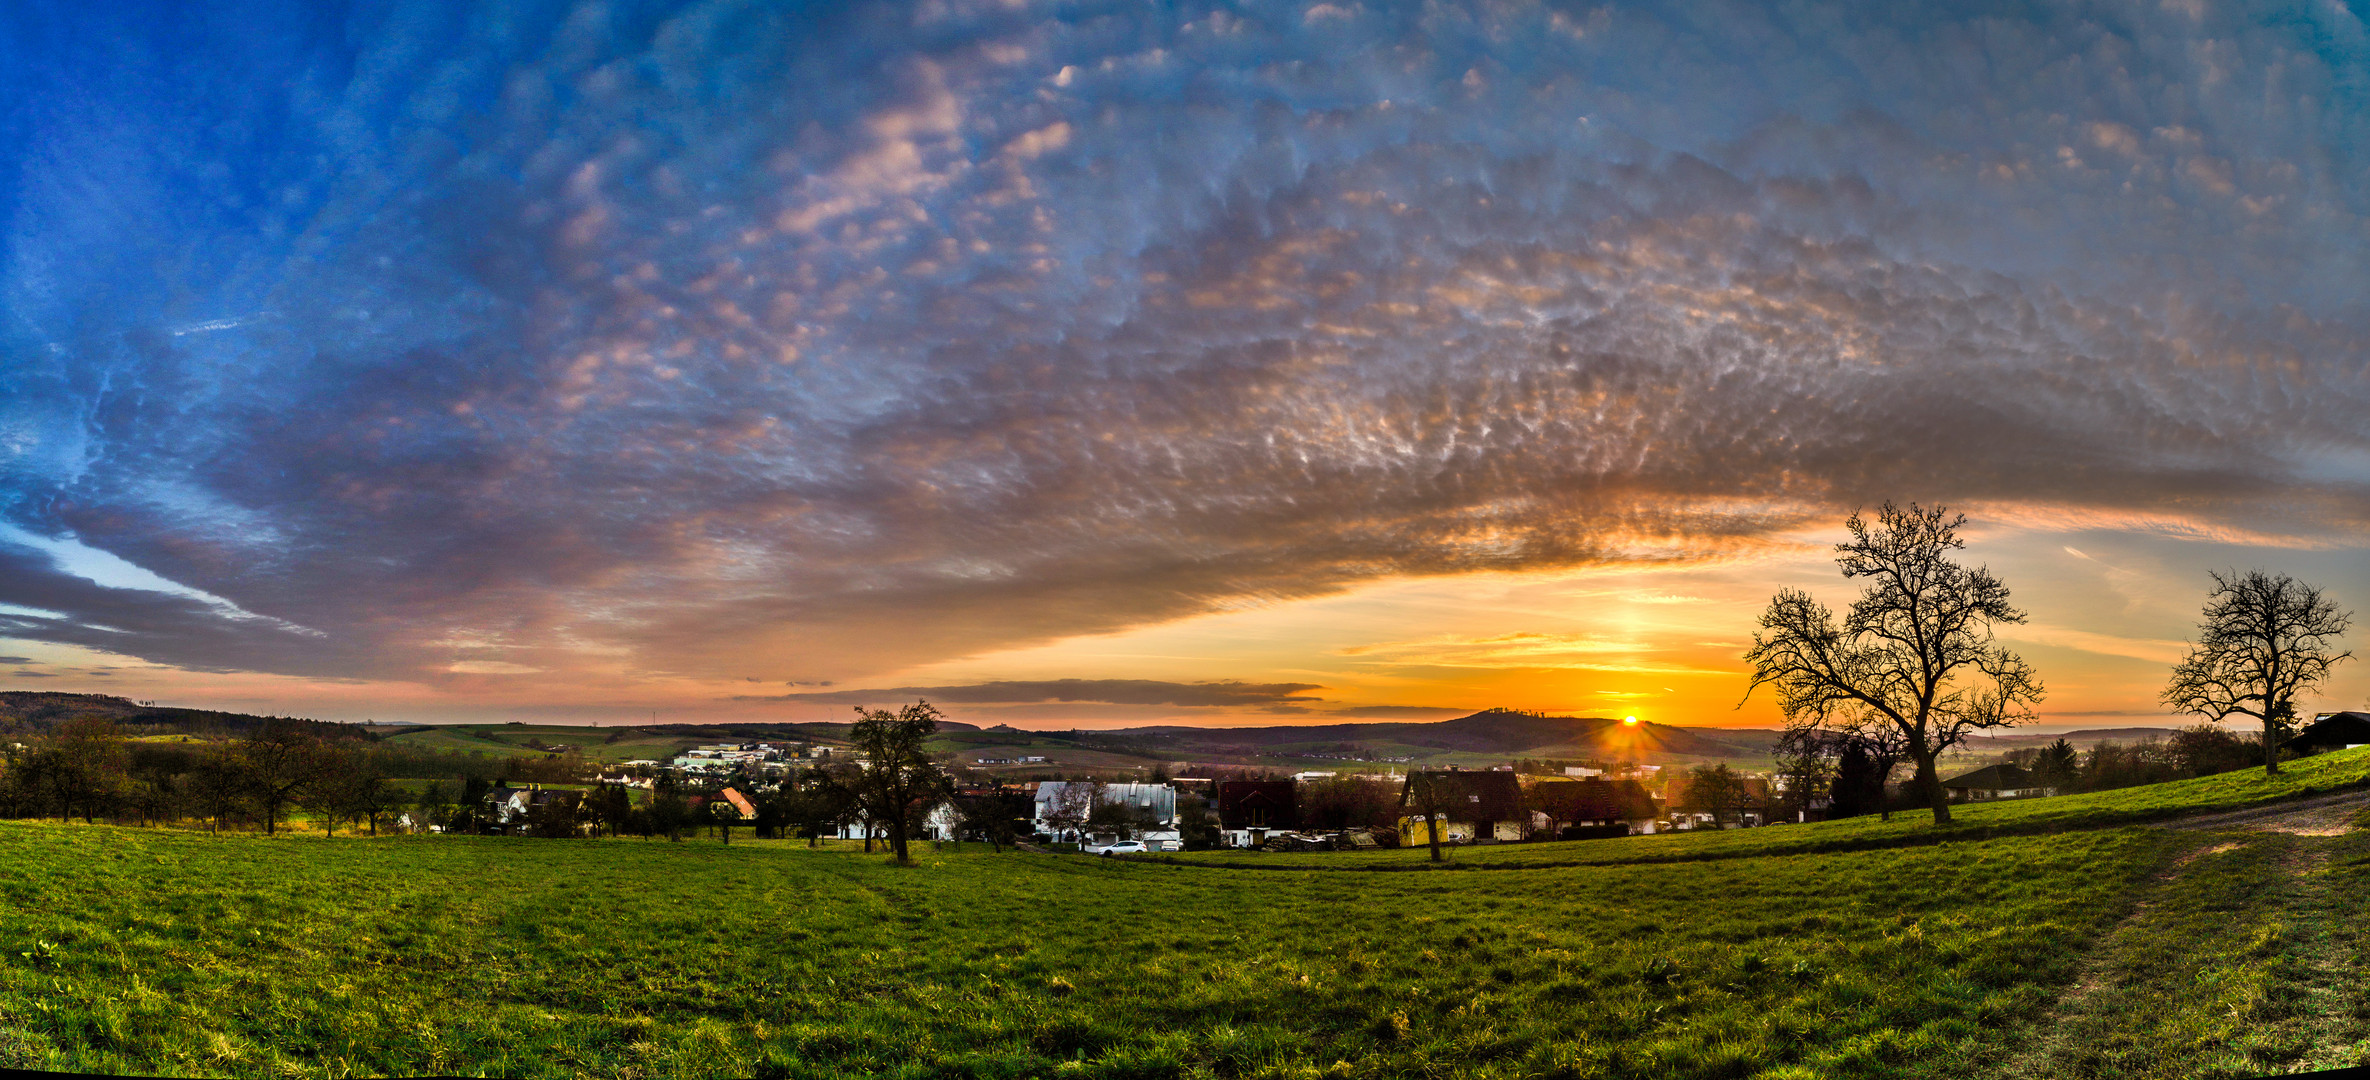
1913 668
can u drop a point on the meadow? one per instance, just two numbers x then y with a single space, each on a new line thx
1973 821
2102 949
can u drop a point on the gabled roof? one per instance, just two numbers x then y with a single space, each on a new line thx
1593 799
1470 795
1240 800
2001 777
2333 731
740 802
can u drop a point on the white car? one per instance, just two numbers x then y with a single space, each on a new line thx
1124 847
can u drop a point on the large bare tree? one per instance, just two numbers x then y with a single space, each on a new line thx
1916 652
2266 638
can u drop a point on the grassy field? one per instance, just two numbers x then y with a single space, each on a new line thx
591 743
2227 791
2104 949
162 952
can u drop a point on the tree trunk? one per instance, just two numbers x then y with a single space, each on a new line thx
2270 751
897 840
1432 829
1929 784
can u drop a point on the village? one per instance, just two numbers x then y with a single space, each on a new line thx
809 791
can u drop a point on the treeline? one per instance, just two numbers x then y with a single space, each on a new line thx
1856 772
2199 750
89 768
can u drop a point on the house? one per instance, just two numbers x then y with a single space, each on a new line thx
1752 798
510 807
1155 802
2332 731
1591 807
740 804
1475 807
1249 809
2001 781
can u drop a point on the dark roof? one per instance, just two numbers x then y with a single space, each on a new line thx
1471 795
1267 804
1992 778
2332 732
1593 799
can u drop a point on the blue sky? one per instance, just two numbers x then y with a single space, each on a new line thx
459 360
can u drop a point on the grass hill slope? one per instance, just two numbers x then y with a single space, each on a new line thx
2099 949
38 712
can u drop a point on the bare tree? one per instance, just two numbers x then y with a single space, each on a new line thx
1072 804
1915 653
86 765
1430 794
1716 790
898 770
280 761
1806 758
2266 638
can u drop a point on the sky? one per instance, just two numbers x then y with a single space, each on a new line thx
1083 365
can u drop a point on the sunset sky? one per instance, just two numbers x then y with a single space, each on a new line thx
1102 364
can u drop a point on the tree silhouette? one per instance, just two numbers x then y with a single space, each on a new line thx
1915 654
2265 639
897 770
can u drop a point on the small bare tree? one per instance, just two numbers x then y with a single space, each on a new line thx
1716 790
2266 638
1915 653
1070 807
898 769
1429 793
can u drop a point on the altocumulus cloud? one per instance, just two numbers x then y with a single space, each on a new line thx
724 338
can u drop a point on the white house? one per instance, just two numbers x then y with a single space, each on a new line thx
1159 799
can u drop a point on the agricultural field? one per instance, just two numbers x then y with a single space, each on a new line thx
591 743
2104 949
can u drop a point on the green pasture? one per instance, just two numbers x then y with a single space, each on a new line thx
2227 791
175 953
591 743
2038 939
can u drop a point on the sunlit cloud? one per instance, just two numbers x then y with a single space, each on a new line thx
637 354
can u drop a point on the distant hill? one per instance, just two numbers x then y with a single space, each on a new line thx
1491 731
29 712
749 732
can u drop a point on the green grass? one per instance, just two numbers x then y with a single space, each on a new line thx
1857 949
158 952
591 743
2227 791
2243 961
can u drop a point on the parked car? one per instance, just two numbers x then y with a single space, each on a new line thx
1124 847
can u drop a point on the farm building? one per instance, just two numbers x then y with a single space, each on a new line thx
1591 805
2001 781
1475 806
1248 809
1158 801
1752 796
2332 731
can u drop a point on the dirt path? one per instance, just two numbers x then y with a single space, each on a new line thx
2239 957
2325 815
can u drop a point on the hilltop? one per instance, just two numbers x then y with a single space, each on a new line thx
26 712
